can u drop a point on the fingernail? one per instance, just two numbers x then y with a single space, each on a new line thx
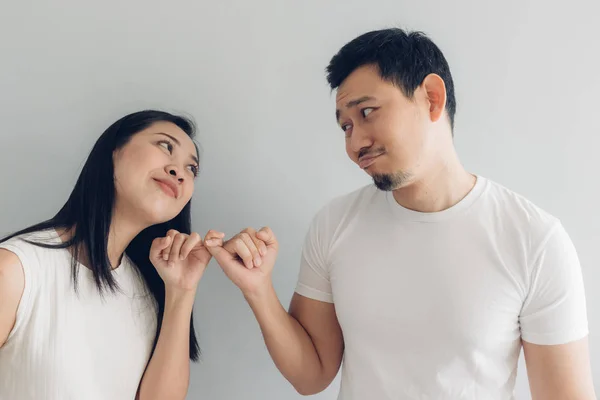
257 261
263 251
171 264
182 257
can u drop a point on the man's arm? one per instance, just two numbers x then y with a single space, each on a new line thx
554 327
559 372
306 344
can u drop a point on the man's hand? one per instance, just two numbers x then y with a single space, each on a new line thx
247 258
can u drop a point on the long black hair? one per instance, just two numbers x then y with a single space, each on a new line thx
89 210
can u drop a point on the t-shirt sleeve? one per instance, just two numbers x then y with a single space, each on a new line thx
554 311
313 280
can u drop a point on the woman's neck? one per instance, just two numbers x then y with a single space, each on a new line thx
121 233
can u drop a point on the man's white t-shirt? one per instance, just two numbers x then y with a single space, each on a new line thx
434 305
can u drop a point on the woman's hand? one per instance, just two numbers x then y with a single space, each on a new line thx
181 259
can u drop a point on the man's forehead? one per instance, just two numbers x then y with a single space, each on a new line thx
340 96
351 98
351 92
354 91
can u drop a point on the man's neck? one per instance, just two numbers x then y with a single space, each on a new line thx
439 189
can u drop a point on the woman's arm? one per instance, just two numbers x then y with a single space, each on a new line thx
180 260
12 284
168 373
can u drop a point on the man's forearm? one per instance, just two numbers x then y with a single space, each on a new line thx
290 346
168 373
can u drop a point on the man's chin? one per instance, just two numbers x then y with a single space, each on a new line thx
383 182
389 182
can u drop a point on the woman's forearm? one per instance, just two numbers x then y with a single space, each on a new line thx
168 373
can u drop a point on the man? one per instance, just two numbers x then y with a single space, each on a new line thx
430 281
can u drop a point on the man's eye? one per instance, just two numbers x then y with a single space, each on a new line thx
367 111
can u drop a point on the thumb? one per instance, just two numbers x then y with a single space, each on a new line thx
266 235
158 245
216 250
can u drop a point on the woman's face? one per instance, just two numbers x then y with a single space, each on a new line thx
154 174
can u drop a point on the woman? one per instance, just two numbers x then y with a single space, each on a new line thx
96 303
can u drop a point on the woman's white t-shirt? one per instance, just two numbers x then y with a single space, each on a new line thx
75 345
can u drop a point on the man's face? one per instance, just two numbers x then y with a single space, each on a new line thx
386 132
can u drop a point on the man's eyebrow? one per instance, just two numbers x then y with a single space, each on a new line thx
353 103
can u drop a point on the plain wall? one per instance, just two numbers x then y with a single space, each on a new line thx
252 75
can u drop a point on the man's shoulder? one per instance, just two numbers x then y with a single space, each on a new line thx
360 195
342 209
515 208
357 198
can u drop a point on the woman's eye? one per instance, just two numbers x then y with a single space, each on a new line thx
168 146
367 111
194 169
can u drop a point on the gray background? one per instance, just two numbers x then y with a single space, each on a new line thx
252 75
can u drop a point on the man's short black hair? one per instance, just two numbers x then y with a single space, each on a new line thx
403 58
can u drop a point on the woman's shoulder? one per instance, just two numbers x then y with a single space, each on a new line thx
30 245
20 279
12 285
11 270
